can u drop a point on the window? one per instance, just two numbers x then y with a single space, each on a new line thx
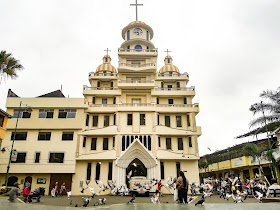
136 101
95 120
158 119
45 113
138 47
93 143
104 100
170 101
180 144
21 156
178 168
19 136
87 120
168 143
56 157
84 142
106 120
88 171
128 35
114 100
190 141
67 113
179 121
105 143
97 175
142 119
37 157
1 120
188 120
110 171
114 119
98 84
129 119
93 100
185 100
162 85
114 142
44 136
147 35
161 170
123 143
149 143
21 113
167 121
168 60
170 73
67 136
106 60
112 85
157 100
178 84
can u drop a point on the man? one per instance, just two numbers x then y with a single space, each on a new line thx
273 189
14 192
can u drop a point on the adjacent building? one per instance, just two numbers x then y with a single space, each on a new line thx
132 119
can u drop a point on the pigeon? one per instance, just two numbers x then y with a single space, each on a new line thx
227 196
76 205
86 201
132 200
201 201
82 191
69 194
102 201
71 203
259 195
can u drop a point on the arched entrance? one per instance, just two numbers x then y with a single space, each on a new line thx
137 168
12 180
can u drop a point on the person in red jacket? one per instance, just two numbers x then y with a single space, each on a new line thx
26 193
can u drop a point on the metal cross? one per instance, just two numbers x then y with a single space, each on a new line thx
167 52
136 8
107 50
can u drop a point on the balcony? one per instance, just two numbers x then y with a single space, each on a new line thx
137 67
139 52
102 76
172 77
106 91
102 108
177 108
136 84
189 91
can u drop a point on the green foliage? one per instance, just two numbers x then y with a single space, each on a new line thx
253 150
202 164
9 66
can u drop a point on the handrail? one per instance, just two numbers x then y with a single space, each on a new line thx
136 104
102 74
137 65
173 75
100 88
136 81
144 105
174 89
178 105
137 50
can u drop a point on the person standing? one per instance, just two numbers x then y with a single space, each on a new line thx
182 185
159 187
62 189
14 192
55 190
26 192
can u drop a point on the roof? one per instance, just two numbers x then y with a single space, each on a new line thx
106 66
5 113
168 67
11 94
54 94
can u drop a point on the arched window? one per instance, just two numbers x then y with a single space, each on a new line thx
138 47
106 60
168 60
128 35
147 35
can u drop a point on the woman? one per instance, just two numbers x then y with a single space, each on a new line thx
182 187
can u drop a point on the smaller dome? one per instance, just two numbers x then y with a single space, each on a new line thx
168 67
106 66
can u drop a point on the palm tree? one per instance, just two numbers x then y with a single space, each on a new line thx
9 66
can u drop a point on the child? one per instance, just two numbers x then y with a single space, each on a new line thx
155 198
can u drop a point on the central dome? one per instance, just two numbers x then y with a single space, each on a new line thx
137 24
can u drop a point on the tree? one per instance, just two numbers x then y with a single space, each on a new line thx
203 165
9 66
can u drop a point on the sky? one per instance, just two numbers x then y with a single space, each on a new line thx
229 48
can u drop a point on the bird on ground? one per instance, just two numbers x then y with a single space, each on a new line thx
71 203
227 196
132 200
86 201
201 201
259 195
69 194
76 205
102 201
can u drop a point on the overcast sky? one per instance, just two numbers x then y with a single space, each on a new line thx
229 48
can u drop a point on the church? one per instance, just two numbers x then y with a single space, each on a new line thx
135 118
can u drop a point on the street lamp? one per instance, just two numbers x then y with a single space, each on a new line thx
29 110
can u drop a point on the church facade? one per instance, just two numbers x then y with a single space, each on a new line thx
133 119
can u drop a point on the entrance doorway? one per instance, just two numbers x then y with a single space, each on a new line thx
12 180
137 168
27 180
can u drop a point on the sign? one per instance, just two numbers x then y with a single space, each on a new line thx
41 181
14 156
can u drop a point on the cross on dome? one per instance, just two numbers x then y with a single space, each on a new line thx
167 51
136 5
107 50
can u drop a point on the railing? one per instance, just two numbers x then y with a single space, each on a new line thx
137 65
178 105
103 105
173 75
136 50
136 104
175 89
136 81
102 74
143 105
100 88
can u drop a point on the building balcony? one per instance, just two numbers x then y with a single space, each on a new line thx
177 108
98 155
103 131
188 91
138 52
137 67
106 91
102 76
136 107
102 108
136 84
170 131
172 77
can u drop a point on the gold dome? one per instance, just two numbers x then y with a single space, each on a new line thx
168 67
106 66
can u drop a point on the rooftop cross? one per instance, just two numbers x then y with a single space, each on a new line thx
167 51
107 50
136 8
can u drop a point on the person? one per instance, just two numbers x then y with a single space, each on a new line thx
54 189
14 192
155 198
159 187
273 189
182 187
26 192
62 189
27 184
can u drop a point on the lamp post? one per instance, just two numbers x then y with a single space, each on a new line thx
29 109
